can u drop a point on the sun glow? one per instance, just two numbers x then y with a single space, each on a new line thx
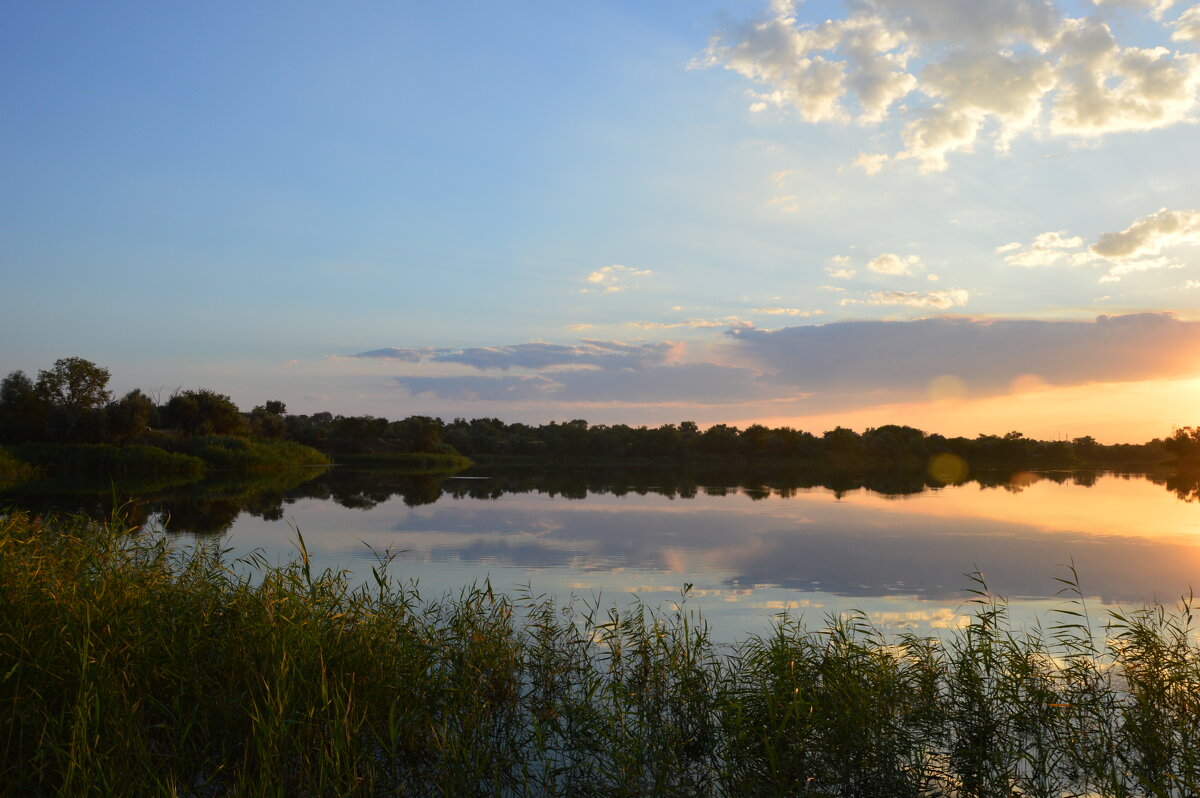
1116 412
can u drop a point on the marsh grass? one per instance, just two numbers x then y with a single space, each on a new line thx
131 667
13 469
108 461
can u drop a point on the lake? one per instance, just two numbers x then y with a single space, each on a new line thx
750 545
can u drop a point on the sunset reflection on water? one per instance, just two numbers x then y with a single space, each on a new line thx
901 559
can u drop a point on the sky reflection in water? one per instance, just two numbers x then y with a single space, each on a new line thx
902 559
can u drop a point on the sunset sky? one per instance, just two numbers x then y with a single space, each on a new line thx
966 216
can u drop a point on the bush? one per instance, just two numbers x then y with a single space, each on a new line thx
247 456
79 459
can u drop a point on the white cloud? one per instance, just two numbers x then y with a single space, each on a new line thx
891 263
871 164
1148 235
1187 27
788 312
1047 249
1056 239
1131 250
939 300
1107 88
610 279
965 69
1138 265
691 324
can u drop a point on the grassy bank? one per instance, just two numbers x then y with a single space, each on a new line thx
130 668
174 457
247 456
105 460
13 469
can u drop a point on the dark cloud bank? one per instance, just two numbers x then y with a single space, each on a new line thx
871 360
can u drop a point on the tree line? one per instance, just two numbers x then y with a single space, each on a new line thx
71 403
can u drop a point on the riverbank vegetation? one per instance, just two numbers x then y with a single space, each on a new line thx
131 667
67 425
70 404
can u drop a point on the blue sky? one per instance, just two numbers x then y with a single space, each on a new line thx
725 211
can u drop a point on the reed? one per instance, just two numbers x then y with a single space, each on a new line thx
130 666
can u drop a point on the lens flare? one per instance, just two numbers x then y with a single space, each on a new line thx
947 388
948 468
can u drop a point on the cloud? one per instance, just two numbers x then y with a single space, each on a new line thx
788 312
948 73
691 324
1138 265
871 164
693 383
840 270
1187 27
1107 88
903 356
481 389
610 279
937 300
538 355
1047 249
891 263
397 353
1130 250
1148 235
821 367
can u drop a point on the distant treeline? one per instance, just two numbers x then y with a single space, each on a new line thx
70 403
888 445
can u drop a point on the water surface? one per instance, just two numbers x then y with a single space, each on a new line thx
893 547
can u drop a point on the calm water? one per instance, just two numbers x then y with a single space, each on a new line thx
750 546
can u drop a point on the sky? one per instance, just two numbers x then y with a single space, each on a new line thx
971 217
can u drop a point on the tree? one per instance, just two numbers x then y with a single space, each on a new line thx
204 412
129 417
266 423
75 384
22 412
417 433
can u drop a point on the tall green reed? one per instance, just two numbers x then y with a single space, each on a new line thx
130 666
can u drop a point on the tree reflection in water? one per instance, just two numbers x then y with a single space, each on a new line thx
210 507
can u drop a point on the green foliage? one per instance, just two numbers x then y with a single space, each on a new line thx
1184 445
130 667
266 424
74 384
13 469
22 413
244 455
204 412
129 418
78 459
